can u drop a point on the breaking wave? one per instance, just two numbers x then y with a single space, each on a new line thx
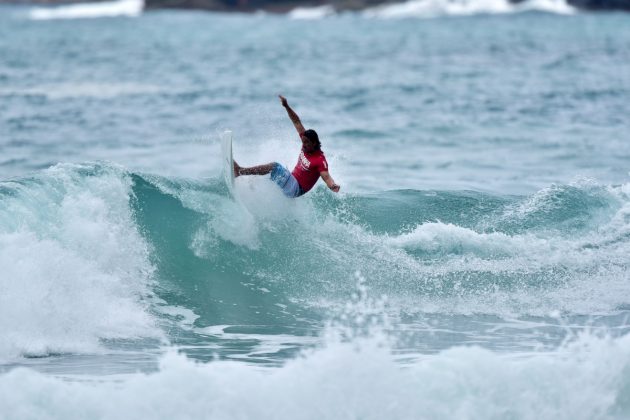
92 252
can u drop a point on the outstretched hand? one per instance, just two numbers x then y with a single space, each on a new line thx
335 188
283 101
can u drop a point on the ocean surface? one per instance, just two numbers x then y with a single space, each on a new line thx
475 265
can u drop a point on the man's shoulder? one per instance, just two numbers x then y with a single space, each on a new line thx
321 160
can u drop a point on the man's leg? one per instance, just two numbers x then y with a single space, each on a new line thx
254 170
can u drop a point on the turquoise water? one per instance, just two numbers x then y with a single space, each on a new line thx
474 265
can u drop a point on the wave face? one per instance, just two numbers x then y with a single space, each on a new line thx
126 256
460 252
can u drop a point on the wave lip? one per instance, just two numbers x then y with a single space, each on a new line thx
129 8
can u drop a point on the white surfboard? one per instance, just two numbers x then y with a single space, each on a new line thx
228 160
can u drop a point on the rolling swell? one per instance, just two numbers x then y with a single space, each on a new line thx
141 253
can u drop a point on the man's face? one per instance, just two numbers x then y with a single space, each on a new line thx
307 144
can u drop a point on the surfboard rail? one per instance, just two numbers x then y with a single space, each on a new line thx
228 160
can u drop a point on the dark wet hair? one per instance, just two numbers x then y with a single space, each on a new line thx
313 137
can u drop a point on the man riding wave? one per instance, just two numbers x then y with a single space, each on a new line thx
310 167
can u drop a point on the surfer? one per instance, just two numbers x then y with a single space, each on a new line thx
310 167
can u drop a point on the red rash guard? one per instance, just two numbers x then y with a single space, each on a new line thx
308 167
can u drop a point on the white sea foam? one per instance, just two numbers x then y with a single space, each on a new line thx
449 238
75 269
434 8
585 379
258 205
311 13
129 8
552 6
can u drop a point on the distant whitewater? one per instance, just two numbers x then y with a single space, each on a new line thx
437 8
89 10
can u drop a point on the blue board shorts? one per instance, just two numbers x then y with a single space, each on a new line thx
286 181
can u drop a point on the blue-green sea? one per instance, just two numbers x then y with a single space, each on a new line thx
474 265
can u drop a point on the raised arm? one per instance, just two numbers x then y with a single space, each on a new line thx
294 117
330 183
